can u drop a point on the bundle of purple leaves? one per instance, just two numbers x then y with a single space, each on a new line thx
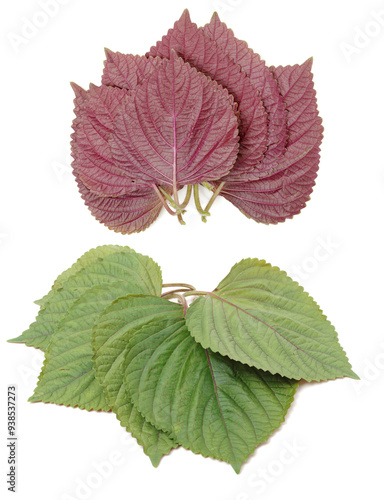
200 108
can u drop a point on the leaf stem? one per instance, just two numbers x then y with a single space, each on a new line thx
163 202
176 290
205 212
214 196
168 197
196 197
180 298
180 219
174 203
208 186
187 196
184 285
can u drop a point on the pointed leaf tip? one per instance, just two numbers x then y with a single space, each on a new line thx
174 55
155 459
185 18
236 467
77 89
215 17
34 399
108 54
185 15
16 340
309 62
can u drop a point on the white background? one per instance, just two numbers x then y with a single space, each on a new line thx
335 427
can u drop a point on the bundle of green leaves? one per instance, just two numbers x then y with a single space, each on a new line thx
215 376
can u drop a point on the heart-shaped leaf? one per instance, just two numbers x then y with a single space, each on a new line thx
178 127
259 316
196 48
202 398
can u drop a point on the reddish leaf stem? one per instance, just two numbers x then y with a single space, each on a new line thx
163 202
